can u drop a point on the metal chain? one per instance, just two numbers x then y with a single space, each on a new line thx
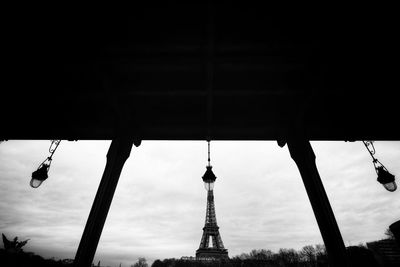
53 147
370 146
371 149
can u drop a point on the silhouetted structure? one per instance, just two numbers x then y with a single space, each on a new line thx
208 71
386 252
361 256
211 245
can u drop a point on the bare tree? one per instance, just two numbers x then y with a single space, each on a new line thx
322 256
389 234
288 257
308 254
140 263
261 254
320 250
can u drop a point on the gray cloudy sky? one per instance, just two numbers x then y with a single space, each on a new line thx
159 206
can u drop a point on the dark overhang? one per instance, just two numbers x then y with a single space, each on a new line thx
200 71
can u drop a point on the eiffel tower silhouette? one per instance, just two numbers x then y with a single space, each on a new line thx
211 245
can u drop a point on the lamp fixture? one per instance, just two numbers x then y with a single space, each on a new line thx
384 176
41 174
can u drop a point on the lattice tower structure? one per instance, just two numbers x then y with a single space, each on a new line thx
211 245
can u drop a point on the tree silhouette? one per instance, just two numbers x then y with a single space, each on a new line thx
157 263
261 254
389 234
140 263
13 245
288 257
322 257
308 254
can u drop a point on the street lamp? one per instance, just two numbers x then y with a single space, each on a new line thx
41 174
209 179
384 176
386 179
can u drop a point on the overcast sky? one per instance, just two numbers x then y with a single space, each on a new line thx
159 206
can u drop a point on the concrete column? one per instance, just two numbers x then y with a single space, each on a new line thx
118 153
302 153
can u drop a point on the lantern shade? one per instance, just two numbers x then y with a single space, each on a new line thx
390 186
39 176
35 183
209 176
386 179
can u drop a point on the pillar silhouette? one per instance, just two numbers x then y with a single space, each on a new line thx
118 153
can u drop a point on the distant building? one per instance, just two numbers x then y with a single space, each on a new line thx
188 258
386 252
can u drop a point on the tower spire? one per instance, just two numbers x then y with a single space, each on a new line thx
208 141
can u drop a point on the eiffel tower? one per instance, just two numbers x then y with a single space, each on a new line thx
211 245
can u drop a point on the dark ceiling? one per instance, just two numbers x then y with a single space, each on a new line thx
198 71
